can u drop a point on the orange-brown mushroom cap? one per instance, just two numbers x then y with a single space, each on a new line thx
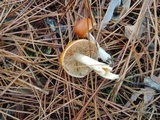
70 65
83 26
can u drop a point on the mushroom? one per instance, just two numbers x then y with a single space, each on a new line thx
83 26
80 57
82 29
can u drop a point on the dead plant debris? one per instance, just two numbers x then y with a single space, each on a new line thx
34 86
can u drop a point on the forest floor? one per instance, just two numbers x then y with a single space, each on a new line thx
33 84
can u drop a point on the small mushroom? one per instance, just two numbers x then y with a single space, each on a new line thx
82 29
80 57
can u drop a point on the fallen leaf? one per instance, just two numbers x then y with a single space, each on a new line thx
148 95
109 14
152 83
130 28
155 78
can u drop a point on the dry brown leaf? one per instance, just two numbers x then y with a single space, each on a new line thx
155 78
130 28
148 96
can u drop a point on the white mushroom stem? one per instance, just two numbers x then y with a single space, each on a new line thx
101 52
100 68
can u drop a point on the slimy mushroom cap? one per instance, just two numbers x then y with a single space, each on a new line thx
83 26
